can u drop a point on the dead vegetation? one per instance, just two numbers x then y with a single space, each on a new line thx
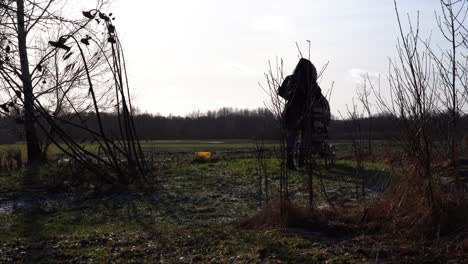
425 201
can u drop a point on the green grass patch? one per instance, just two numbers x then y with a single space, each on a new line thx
191 217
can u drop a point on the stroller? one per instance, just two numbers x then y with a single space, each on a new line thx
320 148
328 153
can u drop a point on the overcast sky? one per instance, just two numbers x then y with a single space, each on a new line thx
186 55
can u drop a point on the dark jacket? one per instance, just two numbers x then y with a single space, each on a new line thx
297 98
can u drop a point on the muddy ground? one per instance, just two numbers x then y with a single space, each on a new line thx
191 212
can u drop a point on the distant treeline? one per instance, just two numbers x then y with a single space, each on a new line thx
226 123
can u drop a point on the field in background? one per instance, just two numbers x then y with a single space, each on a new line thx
158 145
344 148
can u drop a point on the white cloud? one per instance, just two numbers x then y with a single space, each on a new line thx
356 75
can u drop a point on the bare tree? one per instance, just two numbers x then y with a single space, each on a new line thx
29 60
356 116
452 71
364 92
275 104
76 69
412 104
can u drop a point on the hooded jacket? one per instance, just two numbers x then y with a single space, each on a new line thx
297 111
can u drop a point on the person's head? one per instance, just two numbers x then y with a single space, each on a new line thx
305 72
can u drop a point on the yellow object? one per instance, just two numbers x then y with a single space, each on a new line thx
203 154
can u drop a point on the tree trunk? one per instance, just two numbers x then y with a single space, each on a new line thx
32 142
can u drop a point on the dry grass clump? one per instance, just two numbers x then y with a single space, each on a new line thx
414 207
279 213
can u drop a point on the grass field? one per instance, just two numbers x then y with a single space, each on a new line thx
190 213
344 147
158 145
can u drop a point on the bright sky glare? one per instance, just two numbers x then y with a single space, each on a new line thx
186 55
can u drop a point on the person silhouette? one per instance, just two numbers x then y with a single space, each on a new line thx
306 111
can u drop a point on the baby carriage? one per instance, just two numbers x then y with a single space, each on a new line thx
319 148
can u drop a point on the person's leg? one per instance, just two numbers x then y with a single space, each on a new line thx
302 148
291 139
309 148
